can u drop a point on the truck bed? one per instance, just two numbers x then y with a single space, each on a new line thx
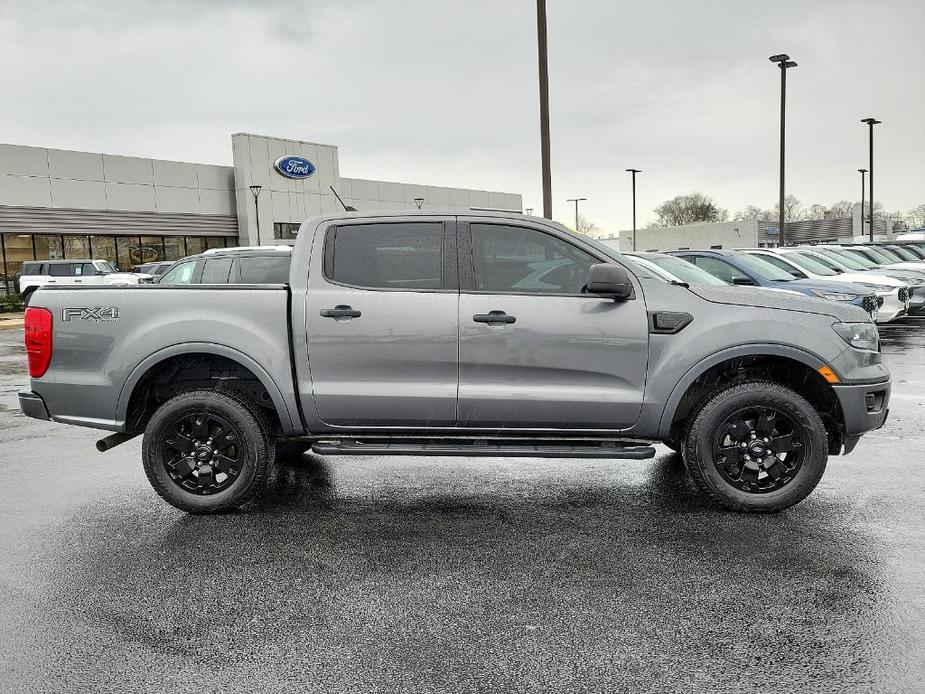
106 339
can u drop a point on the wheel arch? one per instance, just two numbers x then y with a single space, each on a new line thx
789 366
148 366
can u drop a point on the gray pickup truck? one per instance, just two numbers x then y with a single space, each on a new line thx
447 334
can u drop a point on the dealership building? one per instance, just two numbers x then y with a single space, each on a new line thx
63 204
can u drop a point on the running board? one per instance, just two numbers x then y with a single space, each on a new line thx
486 448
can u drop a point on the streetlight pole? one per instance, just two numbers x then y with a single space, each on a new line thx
633 173
862 172
871 122
576 201
544 106
783 62
256 192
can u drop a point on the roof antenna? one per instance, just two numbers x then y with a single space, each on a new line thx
347 208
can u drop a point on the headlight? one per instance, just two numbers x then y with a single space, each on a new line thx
913 282
859 335
834 296
877 287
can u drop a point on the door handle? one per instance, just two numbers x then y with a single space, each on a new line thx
493 317
77 281
340 311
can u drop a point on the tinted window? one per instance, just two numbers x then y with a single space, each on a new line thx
268 270
32 268
516 259
60 270
215 271
401 255
180 274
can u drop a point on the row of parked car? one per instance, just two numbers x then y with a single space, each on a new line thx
246 265
885 279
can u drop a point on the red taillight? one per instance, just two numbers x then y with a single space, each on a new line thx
38 340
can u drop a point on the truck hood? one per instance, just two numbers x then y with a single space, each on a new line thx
762 298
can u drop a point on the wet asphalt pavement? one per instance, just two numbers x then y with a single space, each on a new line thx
464 575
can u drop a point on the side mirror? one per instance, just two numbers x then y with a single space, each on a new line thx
608 280
743 281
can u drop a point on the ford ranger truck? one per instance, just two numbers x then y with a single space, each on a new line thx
477 334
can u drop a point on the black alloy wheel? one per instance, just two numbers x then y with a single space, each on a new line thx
759 449
201 452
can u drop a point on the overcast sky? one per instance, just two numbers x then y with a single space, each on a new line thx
445 93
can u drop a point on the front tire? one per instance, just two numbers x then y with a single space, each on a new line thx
206 451
756 446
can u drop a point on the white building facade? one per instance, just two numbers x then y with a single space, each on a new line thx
129 210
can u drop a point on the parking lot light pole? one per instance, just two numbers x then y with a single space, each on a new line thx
871 122
633 173
862 172
255 190
576 201
783 62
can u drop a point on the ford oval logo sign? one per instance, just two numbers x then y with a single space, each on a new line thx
294 167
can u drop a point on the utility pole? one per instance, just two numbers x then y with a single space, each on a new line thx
544 106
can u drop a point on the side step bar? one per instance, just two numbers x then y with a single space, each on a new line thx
535 448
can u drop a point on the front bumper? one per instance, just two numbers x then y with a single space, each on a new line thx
864 406
32 405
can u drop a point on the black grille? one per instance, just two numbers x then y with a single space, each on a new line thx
870 304
903 294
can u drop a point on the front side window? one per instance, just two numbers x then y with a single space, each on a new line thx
517 259
180 274
782 264
396 255
216 271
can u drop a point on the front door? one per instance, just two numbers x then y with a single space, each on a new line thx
534 351
381 319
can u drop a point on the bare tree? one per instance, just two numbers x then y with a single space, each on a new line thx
753 212
842 208
917 216
689 209
588 228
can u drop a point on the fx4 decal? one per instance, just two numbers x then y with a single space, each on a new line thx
96 314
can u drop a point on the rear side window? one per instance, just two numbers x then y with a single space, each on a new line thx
60 270
179 274
216 270
268 270
399 255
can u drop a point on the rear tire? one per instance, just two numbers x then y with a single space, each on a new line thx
756 446
27 296
206 451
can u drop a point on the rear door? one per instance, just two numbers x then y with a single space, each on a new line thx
381 323
534 350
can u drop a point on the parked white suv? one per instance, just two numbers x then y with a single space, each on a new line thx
41 273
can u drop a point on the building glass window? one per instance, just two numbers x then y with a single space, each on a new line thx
174 247
127 251
214 241
77 247
48 247
284 230
194 245
103 248
151 250
17 249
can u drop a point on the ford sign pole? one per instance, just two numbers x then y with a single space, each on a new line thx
870 179
256 191
544 106
783 62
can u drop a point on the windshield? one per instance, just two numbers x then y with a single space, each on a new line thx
641 270
104 266
878 256
837 266
763 268
890 253
685 271
849 257
903 253
808 262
